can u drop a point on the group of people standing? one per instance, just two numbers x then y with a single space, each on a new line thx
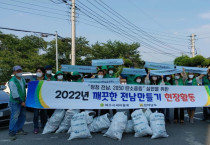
17 87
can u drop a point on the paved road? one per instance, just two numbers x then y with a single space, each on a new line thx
187 134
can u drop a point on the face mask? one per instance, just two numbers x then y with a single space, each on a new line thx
111 72
19 74
138 80
168 78
100 76
38 74
191 76
176 77
154 78
60 77
49 72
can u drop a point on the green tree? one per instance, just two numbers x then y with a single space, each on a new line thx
183 60
198 60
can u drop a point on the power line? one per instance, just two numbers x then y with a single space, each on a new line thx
34 13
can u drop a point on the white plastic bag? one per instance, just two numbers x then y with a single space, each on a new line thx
66 123
140 123
89 116
54 121
79 127
129 127
117 126
157 123
99 123
147 113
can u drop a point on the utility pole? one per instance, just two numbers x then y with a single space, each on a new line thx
193 44
56 49
73 49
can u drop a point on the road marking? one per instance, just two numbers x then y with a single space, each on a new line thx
30 122
186 115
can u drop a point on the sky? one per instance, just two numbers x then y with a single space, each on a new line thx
162 27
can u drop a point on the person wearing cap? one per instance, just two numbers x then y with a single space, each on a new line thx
17 86
110 73
48 75
59 76
42 113
76 77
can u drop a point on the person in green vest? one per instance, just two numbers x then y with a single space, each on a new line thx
48 73
191 81
76 77
111 72
179 80
205 81
17 86
59 76
138 80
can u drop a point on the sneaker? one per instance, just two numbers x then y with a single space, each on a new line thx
36 130
12 137
21 132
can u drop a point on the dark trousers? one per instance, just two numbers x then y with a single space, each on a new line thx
50 112
181 114
206 111
42 113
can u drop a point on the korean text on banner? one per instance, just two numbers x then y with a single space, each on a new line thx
104 80
78 68
101 62
70 95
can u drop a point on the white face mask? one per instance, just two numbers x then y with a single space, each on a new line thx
111 72
154 78
138 80
49 72
176 77
100 76
168 78
124 83
19 74
60 77
191 76
39 74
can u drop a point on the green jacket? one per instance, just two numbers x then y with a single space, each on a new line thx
130 79
108 76
194 82
21 93
206 81
52 78
79 80
180 82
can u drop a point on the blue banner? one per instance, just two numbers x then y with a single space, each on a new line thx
193 69
104 80
134 71
164 72
101 62
155 65
78 68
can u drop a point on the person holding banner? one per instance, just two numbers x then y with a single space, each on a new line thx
17 86
48 71
206 82
179 81
49 77
76 77
111 73
59 76
40 73
138 80
191 81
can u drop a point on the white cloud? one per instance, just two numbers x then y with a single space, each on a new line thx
205 15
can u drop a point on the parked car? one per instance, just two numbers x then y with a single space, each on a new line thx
4 107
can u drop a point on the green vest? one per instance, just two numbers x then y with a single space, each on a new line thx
194 82
78 80
21 93
52 78
108 76
206 80
130 79
180 82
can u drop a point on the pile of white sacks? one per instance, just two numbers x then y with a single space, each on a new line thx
80 125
